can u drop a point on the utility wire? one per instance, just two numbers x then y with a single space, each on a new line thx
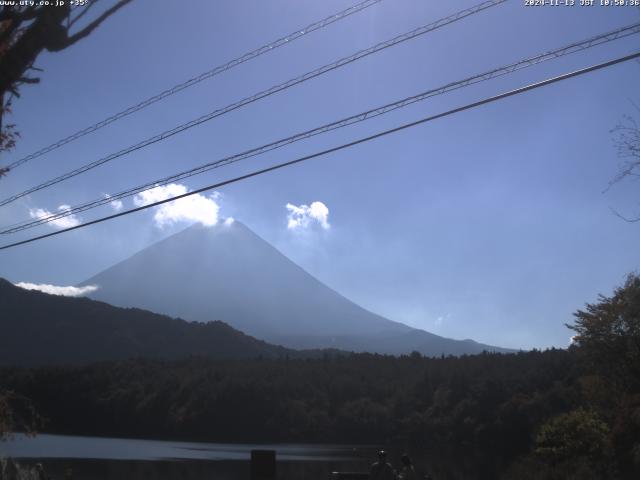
265 93
340 147
549 55
195 80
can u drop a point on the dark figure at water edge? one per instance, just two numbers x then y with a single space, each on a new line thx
40 473
382 470
407 472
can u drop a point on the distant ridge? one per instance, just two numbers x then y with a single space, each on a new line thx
42 329
229 273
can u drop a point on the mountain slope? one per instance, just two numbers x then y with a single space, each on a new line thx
39 329
229 273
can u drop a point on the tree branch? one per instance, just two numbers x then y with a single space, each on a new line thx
82 13
626 219
91 27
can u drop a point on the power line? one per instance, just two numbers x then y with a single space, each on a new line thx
340 147
571 48
263 94
195 80
552 54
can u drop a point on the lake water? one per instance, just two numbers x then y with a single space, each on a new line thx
95 458
92 458
94 448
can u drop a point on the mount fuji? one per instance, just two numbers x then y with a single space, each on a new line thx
229 273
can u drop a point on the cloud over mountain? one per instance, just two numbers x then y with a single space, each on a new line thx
58 290
193 209
63 222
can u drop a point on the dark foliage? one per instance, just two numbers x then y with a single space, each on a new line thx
497 411
42 329
487 405
557 414
609 331
17 414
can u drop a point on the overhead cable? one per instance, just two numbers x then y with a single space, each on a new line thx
258 96
338 148
197 79
360 117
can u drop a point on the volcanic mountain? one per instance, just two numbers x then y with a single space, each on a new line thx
229 273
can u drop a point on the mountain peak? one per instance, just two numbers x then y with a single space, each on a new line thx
227 272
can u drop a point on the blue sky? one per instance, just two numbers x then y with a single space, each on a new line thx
491 224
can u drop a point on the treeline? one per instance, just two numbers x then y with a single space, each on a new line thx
471 400
489 406
39 329
557 414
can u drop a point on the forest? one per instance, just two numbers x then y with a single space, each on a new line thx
85 331
571 413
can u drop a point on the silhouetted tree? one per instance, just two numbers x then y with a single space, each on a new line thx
579 436
27 30
627 142
609 334
17 414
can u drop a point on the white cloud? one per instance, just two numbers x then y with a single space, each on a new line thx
229 221
57 290
115 204
195 208
63 222
303 216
